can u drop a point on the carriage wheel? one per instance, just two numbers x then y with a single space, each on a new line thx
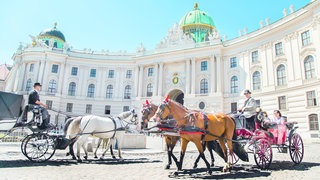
39 147
23 143
234 158
262 154
296 148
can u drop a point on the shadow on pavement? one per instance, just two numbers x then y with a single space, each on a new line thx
243 171
69 162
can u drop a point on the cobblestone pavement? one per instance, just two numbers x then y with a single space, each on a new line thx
149 164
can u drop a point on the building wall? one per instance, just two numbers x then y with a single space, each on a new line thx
184 63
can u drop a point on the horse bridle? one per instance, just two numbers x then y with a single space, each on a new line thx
133 119
147 110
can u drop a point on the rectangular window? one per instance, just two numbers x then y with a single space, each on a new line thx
282 101
255 56
54 68
89 108
74 71
69 107
107 109
305 37
129 74
150 72
111 74
313 122
93 73
31 68
126 108
311 98
49 104
278 48
233 62
234 107
257 102
204 65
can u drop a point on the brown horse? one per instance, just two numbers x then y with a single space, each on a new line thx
213 126
148 111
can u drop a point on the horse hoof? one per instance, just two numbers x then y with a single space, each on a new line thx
212 165
67 154
85 157
79 160
113 157
195 166
167 166
74 158
175 173
209 172
95 157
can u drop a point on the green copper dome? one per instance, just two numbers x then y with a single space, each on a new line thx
197 23
54 33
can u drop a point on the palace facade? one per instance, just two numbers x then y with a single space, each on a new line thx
279 63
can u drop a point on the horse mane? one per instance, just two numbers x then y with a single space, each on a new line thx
66 125
124 115
175 102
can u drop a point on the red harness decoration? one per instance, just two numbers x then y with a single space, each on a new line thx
164 129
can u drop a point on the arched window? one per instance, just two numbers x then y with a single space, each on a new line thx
234 84
72 89
127 92
52 87
313 122
109 91
309 67
28 85
91 88
281 75
256 80
149 90
204 86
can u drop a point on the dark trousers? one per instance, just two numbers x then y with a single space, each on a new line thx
45 117
250 124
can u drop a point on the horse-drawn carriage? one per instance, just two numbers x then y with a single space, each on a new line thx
268 135
41 144
194 127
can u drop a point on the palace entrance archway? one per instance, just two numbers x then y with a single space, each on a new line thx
177 95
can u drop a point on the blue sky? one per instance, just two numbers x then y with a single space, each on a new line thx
123 24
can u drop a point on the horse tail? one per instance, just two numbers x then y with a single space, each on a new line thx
234 137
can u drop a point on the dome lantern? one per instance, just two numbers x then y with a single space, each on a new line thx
53 35
198 24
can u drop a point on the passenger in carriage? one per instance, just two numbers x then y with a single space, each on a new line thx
278 118
248 110
265 115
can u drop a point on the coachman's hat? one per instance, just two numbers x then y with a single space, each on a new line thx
37 84
246 91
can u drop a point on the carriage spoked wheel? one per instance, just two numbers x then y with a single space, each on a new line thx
23 143
296 148
262 154
234 158
39 147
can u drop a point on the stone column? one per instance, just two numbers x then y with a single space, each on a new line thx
136 81
188 76
41 71
36 70
100 83
219 80
22 76
82 84
213 74
140 80
160 79
155 87
61 78
193 76
45 80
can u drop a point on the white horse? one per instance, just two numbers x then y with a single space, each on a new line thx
100 127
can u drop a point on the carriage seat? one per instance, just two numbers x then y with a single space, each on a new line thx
269 125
